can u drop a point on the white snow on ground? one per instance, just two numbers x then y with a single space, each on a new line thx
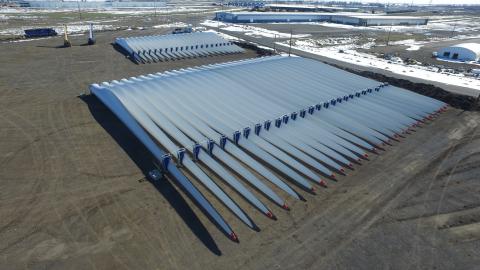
411 43
458 24
9 10
169 25
211 23
80 28
414 47
349 55
458 61
225 36
72 29
118 11
158 10
4 17
250 30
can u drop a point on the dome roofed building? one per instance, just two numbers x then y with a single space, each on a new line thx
462 52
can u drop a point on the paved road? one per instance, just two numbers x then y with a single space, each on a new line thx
269 42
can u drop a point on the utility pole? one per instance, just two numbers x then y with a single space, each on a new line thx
388 38
79 11
453 30
218 20
168 12
274 43
155 8
290 48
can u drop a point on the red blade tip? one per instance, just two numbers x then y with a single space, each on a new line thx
234 237
323 183
285 206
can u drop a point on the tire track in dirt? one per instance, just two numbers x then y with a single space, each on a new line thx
22 211
469 139
359 222
148 238
95 155
69 154
94 152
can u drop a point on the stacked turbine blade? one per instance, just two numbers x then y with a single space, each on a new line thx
148 49
290 116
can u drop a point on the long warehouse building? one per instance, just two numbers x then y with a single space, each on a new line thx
307 8
358 19
288 121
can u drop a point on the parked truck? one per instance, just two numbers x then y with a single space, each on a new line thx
40 32
182 30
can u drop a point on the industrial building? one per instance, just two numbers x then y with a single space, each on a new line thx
462 52
307 8
147 49
251 120
377 20
258 17
359 19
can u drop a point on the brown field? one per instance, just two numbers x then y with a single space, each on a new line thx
73 192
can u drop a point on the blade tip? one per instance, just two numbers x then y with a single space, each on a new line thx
323 183
234 237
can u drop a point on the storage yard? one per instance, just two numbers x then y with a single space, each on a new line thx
76 185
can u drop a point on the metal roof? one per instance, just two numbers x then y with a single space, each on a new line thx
277 13
474 47
146 49
383 17
348 14
288 114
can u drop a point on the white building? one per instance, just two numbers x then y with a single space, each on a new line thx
463 52
376 20
359 19
268 17
308 8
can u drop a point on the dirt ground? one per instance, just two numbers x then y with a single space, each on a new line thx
12 24
74 195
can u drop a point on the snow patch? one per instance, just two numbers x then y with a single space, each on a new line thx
251 30
71 28
225 36
175 24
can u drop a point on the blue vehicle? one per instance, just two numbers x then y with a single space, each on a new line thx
40 32
182 30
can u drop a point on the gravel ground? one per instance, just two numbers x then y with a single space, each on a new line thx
74 195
